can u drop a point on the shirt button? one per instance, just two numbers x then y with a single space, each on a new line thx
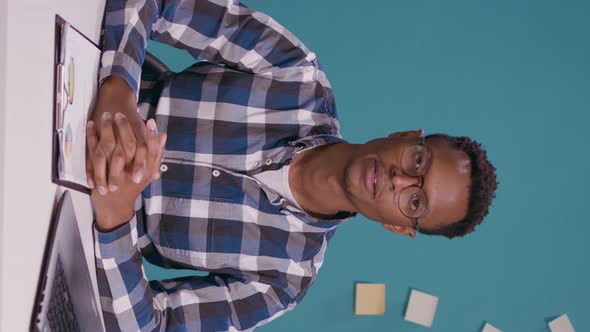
216 173
163 168
268 161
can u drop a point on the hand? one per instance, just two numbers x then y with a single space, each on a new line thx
116 150
116 208
115 96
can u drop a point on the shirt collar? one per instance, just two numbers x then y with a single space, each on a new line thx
311 142
307 143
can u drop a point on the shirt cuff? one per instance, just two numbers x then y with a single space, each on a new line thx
122 65
119 244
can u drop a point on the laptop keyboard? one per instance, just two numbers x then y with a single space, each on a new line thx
60 313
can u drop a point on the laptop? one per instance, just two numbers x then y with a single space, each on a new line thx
65 299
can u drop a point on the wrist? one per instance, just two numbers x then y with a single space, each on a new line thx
109 221
114 96
117 90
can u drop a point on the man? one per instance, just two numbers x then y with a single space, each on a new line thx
250 177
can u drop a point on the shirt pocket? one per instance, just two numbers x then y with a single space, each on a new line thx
200 202
186 226
200 232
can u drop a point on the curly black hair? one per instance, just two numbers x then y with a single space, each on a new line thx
481 191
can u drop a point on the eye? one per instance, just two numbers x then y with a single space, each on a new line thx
418 161
415 202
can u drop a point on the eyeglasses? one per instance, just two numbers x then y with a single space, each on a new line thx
412 200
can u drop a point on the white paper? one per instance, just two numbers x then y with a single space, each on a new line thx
81 61
421 308
561 324
490 328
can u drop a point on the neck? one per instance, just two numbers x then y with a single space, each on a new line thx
317 181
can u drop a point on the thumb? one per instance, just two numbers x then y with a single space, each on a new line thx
162 142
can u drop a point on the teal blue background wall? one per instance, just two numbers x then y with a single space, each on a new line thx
513 74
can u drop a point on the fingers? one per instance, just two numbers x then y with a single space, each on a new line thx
116 166
153 146
89 169
126 136
98 158
150 155
124 151
162 144
139 162
107 135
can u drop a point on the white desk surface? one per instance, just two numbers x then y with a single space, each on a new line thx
27 195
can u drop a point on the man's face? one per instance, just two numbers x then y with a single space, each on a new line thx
445 183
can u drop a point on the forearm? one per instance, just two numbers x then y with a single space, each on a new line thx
127 26
119 263
226 31
220 31
217 302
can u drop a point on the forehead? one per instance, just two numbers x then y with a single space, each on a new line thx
446 184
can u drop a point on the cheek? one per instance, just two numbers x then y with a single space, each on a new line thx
381 211
387 212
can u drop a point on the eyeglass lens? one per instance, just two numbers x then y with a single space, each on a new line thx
412 200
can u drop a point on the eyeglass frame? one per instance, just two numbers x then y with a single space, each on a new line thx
420 177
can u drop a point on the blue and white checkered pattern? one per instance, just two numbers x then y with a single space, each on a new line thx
256 97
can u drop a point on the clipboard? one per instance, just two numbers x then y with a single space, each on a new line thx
76 65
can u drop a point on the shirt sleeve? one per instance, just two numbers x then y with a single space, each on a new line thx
218 302
218 31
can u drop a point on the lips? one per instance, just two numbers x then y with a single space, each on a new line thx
378 173
370 177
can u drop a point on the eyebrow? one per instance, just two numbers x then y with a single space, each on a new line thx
431 159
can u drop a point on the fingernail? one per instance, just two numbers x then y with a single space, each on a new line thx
90 124
102 190
119 116
112 187
106 116
90 183
137 177
152 125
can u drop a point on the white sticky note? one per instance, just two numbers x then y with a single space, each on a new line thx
490 328
370 299
561 324
421 308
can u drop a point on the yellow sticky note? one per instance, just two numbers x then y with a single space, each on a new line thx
370 299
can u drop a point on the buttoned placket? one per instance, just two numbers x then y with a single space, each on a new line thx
274 198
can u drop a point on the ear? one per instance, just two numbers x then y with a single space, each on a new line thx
407 134
401 230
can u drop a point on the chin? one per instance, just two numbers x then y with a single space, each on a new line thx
351 182
356 192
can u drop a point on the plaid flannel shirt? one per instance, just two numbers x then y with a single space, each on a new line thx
256 97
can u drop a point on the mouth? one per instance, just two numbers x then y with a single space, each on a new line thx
371 178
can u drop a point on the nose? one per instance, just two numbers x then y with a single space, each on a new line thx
401 181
